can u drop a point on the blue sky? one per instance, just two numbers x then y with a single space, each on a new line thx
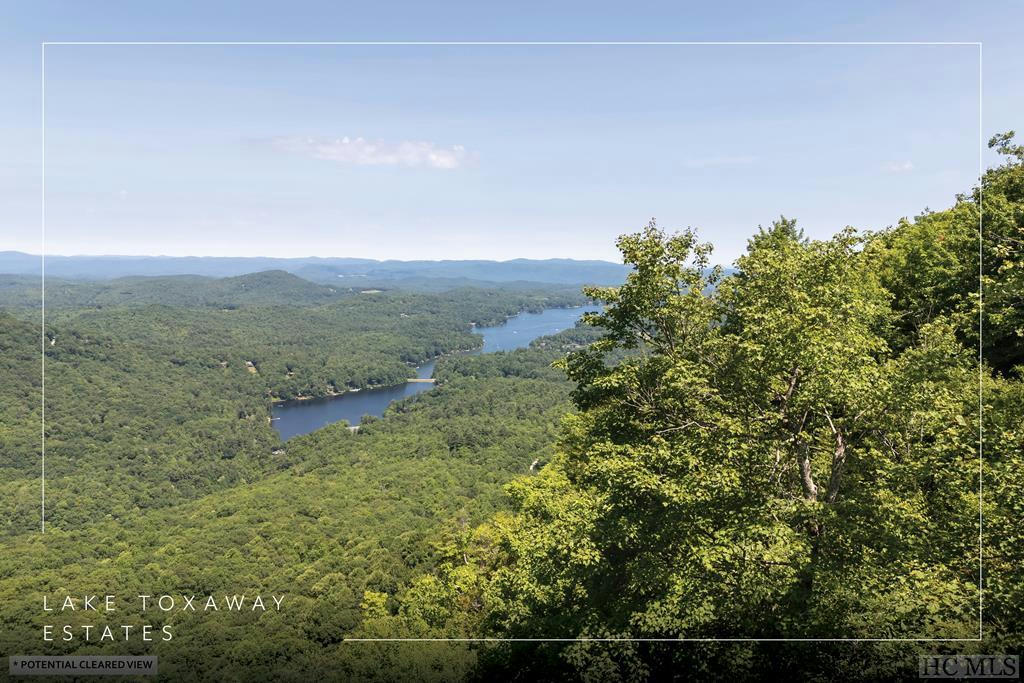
487 151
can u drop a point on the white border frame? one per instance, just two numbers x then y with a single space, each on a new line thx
981 171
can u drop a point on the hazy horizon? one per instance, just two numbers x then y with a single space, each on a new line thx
414 152
301 258
313 268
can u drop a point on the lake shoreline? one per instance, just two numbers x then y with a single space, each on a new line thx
304 414
372 387
455 352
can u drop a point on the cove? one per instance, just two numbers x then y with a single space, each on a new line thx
293 418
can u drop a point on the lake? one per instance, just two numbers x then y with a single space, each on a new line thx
293 418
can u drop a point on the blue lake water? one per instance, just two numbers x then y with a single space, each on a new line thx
293 418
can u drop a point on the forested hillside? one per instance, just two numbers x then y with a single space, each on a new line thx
21 293
337 515
151 405
272 287
785 450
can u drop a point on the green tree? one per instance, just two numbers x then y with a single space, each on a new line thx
763 464
931 264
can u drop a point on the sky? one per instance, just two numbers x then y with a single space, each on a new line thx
486 151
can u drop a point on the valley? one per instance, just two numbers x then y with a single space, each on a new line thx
787 450
303 415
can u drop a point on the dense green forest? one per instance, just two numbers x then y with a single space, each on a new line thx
149 405
339 515
789 449
21 293
273 287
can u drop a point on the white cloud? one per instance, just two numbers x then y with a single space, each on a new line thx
899 167
711 162
362 152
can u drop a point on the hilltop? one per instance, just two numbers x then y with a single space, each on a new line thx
272 287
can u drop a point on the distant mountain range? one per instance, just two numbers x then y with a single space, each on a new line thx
347 272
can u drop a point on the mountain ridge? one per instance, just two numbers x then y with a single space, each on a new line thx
315 268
